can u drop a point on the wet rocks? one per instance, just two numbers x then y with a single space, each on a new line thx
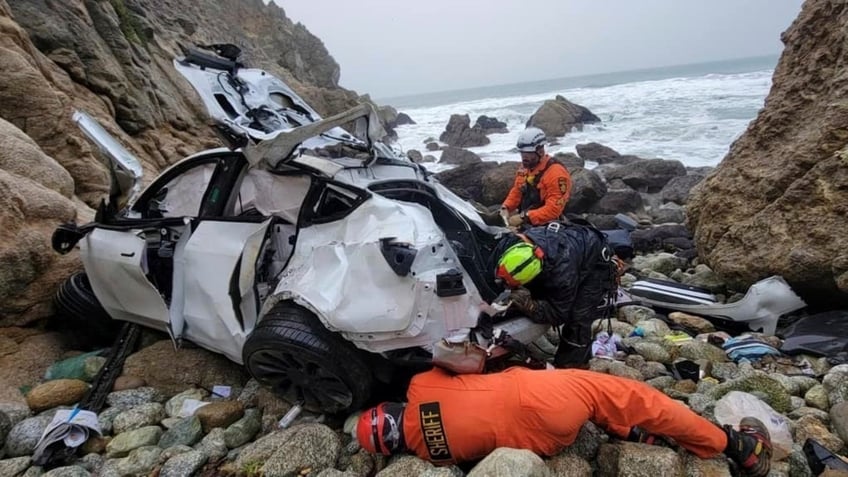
24 436
597 153
677 189
458 156
314 446
124 443
567 465
219 414
185 432
637 460
243 430
56 393
147 414
183 465
513 462
490 125
459 133
695 323
405 465
587 188
649 175
14 466
558 116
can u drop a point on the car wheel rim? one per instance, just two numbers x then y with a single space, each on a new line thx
301 377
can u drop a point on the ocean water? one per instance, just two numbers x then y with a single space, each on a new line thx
691 113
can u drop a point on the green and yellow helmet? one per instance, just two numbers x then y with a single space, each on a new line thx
519 264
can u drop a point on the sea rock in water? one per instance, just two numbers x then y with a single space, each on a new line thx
490 125
558 116
570 160
597 153
459 133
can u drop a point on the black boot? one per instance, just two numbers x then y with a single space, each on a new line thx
570 355
749 447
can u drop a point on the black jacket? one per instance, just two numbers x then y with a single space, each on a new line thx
572 253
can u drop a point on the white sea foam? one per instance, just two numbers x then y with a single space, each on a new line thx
693 120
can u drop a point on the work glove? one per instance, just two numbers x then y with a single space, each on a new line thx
523 301
515 220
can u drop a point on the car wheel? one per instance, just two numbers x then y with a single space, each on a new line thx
292 353
82 315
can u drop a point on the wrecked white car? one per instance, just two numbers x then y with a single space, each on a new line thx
316 258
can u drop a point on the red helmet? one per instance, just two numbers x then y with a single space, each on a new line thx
380 429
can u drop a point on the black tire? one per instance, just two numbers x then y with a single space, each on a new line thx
81 315
292 353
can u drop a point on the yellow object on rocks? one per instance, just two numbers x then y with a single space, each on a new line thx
677 337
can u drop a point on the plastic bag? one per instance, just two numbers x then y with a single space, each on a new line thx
735 405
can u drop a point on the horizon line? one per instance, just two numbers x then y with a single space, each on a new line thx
388 99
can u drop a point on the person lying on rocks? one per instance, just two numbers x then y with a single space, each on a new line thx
450 419
560 275
542 185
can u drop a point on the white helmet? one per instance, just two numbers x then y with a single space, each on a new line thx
530 139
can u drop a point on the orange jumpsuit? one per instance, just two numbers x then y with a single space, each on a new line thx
554 189
456 418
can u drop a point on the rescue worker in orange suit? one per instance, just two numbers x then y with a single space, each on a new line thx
542 186
458 418
560 275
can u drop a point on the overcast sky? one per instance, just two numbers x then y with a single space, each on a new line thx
398 47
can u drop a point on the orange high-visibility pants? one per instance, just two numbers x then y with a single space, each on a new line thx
618 404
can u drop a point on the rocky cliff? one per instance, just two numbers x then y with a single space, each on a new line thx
113 59
778 202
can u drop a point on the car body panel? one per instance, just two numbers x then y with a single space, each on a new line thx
339 271
124 166
116 264
210 258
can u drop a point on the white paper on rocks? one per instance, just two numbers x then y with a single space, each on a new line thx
72 426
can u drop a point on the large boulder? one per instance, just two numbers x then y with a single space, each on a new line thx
458 156
648 175
597 153
171 371
37 195
402 119
587 189
618 201
496 183
661 237
558 116
466 180
778 202
459 133
570 160
677 189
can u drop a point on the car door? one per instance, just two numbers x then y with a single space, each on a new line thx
129 258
